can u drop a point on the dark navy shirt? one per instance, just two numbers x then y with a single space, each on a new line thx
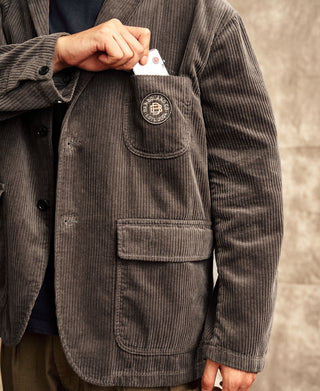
72 16
69 16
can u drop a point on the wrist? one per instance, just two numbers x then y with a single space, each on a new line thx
58 62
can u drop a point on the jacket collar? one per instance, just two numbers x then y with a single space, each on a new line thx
121 9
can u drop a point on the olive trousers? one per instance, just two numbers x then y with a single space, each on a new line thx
38 363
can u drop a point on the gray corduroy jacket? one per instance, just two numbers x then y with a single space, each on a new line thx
140 207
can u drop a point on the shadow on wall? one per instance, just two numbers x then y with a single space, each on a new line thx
285 35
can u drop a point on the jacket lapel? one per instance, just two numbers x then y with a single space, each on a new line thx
39 10
120 9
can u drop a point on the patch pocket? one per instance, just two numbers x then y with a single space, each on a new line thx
164 276
157 122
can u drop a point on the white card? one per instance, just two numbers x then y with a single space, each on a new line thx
154 66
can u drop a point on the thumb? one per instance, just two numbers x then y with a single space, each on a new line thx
209 375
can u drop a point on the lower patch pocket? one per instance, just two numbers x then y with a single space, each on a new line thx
164 275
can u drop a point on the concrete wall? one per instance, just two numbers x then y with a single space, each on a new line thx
285 35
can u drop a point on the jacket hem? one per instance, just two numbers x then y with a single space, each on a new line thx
183 369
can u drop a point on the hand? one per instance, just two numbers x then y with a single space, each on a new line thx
233 379
110 45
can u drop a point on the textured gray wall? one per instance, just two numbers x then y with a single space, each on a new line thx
286 37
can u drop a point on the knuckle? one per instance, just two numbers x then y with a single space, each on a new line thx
115 21
104 29
129 54
118 57
140 51
135 56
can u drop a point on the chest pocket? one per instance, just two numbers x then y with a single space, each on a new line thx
157 122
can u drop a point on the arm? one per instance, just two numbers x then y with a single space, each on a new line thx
245 186
26 69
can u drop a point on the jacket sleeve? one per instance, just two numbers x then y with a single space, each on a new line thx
26 71
245 186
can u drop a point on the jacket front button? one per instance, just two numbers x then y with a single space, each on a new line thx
43 205
42 131
44 70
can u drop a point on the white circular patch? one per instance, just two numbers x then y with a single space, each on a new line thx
156 108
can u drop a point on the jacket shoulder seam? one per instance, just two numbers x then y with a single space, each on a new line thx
216 35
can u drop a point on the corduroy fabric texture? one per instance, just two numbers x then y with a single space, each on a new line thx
140 207
38 363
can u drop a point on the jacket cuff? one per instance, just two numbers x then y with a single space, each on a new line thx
35 61
64 93
233 359
36 65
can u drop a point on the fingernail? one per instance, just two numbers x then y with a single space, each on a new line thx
144 60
